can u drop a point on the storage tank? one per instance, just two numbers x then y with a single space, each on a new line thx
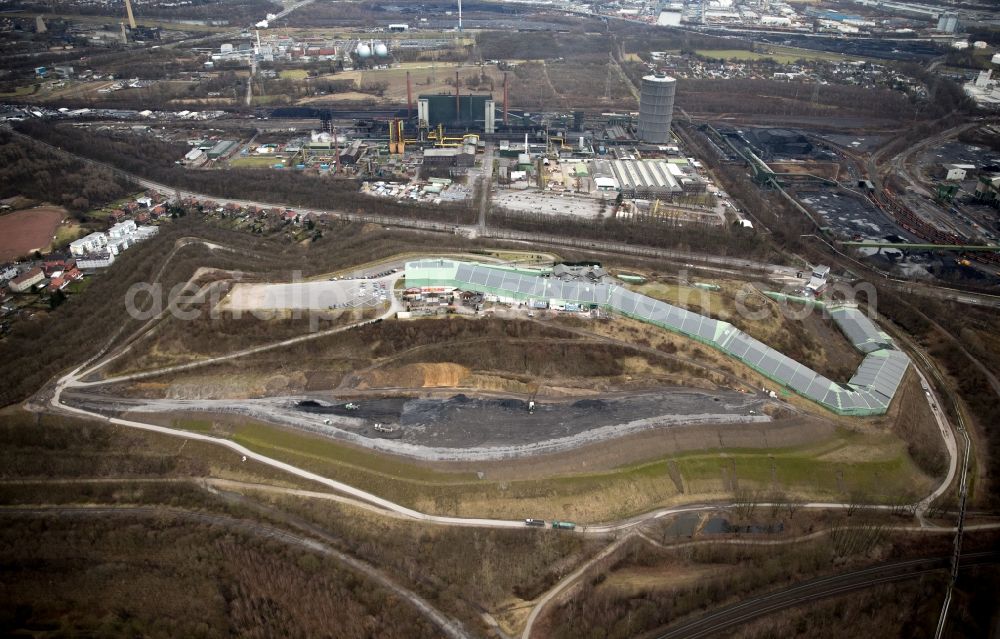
363 50
381 50
656 108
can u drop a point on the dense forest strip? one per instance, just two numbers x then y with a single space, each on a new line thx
405 624
33 171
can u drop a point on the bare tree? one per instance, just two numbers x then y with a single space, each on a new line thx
746 502
857 500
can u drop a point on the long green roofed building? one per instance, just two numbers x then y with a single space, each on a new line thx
869 391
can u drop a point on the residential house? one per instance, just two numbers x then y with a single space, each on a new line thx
96 260
25 281
93 243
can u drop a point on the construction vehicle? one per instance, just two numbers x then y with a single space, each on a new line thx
531 397
352 406
534 522
563 525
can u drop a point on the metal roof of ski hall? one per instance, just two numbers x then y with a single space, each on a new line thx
860 331
869 391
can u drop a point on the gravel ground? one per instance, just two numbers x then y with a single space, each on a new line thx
467 429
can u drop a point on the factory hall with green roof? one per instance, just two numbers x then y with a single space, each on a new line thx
869 391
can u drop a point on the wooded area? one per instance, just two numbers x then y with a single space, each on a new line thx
33 171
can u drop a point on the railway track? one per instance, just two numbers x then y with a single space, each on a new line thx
815 590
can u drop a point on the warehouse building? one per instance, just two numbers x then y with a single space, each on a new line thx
646 178
221 149
869 391
465 112
449 157
351 154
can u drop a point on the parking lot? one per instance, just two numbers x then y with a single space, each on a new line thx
314 295
529 201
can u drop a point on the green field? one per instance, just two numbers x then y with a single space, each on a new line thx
196 425
783 55
254 162
269 99
294 74
104 19
20 92
66 233
832 469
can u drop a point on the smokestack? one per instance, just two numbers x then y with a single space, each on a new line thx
409 97
124 35
336 151
459 15
458 109
128 10
505 98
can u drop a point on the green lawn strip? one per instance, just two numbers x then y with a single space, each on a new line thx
256 161
781 55
327 451
648 483
196 425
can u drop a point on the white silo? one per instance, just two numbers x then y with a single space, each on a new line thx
656 108
363 50
381 50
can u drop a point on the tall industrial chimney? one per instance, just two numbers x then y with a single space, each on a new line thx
459 15
458 109
128 10
505 98
409 97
